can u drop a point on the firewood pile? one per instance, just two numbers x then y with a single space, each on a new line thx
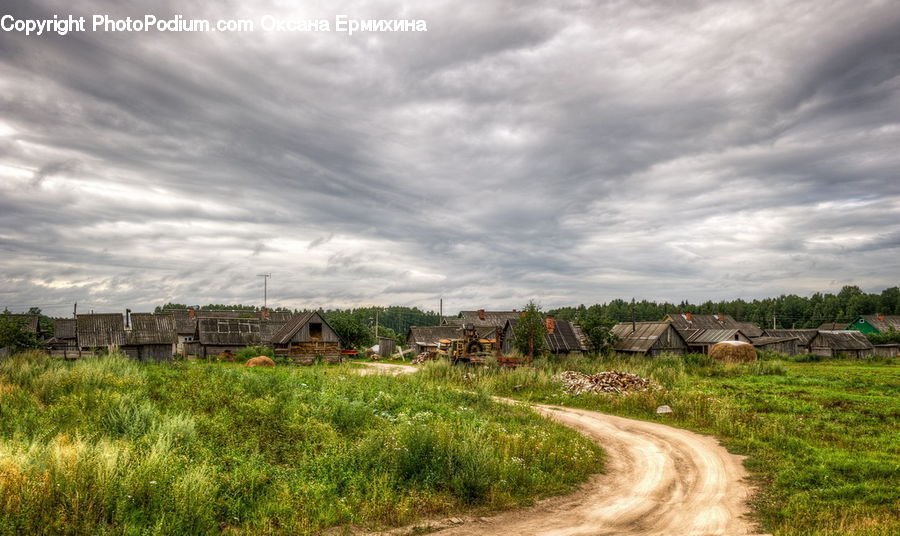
611 381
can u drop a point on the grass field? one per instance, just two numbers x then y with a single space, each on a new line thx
111 446
822 439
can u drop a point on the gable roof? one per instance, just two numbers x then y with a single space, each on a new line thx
832 326
64 328
292 326
566 337
841 340
430 335
685 321
228 331
495 319
642 338
712 336
97 330
803 335
148 328
883 322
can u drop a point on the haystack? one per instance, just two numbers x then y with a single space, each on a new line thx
260 361
733 352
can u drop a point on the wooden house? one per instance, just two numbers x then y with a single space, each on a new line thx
876 323
701 340
219 334
29 323
803 337
782 345
648 338
887 350
560 337
306 337
684 322
834 343
483 319
99 331
150 337
427 338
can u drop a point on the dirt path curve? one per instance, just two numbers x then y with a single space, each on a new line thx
659 481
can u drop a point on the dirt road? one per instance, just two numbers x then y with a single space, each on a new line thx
386 368
659 481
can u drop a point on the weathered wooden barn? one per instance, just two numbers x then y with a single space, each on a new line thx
887 350
850 343
783 345
690 321
386 346
150 337
219 334
64 342
560 336
803 337
648 338
307 337
99 331
701 340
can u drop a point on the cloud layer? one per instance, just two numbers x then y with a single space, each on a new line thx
573 154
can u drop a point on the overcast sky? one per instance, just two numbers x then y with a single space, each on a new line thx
571 154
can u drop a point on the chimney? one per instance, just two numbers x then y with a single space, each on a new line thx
881 317
481 314
551 325
264 313
192 313
687 316
720 317
127 318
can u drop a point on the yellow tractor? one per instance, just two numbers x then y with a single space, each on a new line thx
470 349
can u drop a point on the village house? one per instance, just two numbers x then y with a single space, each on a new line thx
803 337
560 337
307 337
219 334
684 322
150 337
850 343
648 338
64 342
483 319
876 323
782 345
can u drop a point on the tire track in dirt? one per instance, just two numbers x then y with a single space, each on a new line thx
659 480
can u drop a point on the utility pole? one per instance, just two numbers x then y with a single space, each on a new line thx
265 289
773 321
376 325
633 323
441 308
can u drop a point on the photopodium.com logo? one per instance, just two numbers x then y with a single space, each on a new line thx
151 23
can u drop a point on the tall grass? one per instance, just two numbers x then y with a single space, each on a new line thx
108 445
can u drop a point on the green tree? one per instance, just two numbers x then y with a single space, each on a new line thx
598 328
351 328
528 335
14 336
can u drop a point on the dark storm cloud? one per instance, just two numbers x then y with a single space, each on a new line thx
572 153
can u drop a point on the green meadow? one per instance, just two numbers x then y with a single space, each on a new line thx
112 446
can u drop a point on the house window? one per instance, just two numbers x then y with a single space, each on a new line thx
315 331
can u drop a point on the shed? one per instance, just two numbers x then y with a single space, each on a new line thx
648 338
701 340
386 346
307 336
102 330
887 350
846 342
783 345
151 337
220 334
803 336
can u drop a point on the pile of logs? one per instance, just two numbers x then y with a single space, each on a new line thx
611 381
423 357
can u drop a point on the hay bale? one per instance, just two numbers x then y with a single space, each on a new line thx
733 352
260 361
